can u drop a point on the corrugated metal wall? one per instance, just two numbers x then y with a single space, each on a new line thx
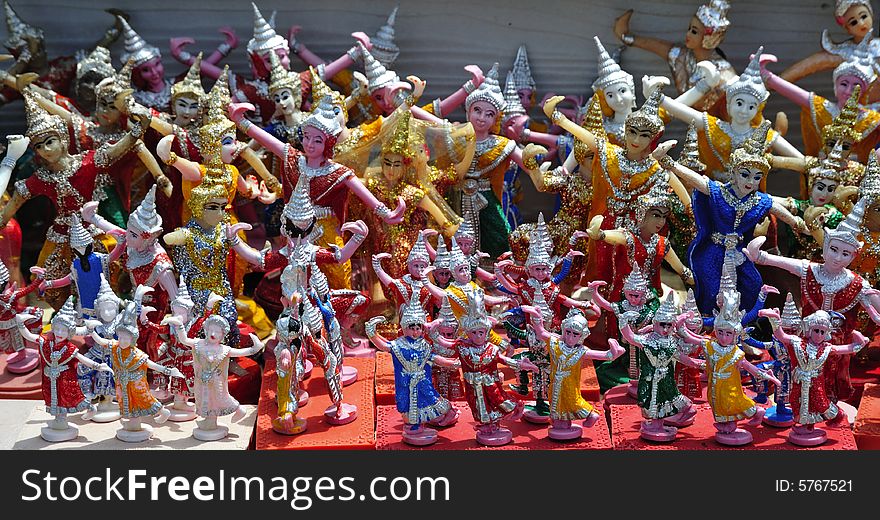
438 38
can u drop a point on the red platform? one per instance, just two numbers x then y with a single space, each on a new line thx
359 434
867 425
626 419
526 436
20 386
385 380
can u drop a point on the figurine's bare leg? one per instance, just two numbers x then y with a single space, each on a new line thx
239 414
759 415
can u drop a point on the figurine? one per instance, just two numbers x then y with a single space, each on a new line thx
664 408
98 385
130 366
60 359
290 368
567 352
718 138
809 402
211 383
689 379
447 381
706 31
488 401
413 357
21 357
411 283
867 263
857 71
724 360
726 216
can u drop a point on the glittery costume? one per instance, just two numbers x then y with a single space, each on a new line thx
97 383
447 382
414 391
132 389
287 387
566 401
61 391
867 262
688 379
809 400
725 391
10 339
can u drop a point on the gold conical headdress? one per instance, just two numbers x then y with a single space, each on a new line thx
850 228
752 152
843 126
191 85
647 116
215 124
488 91
384 48
280 78
320 89
40 122
398 142
834 167
136 49
593 121
690 155
265 38
111 86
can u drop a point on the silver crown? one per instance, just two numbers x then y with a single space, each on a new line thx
488 91
441 261
183 298
80 238
323 117
647 117
861 64
412 312
384 48
4 274
265 38
750 81
714 15
842 6
729 316
105 293
870 187
18 29
456 257
850 228
576 321
537 251
66 315
610 72
466 229
145 218
476 317
635 280
728 274
419 250
690 154
668 311
446 316
522 72
791 316
378 76
819 318
540 302
98 62
299 209
136 49
511 98
690 305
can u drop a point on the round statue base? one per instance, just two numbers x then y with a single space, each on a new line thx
50 434
347 414
214 434
23 361
144 434
420 437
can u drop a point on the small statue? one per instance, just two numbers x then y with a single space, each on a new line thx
21 357
98 385
290 353
447 381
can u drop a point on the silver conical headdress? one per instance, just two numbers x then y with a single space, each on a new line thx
850 228
4 274
299 209
668 311
419 251
522 72
537 251
870 187
412 312
265 38
610 72
690 305
441 261
714 17
635 280
80 238
18 28
791 316
544 232
323 117
750 81
476 317
384 48
446 316
105 293
183 298
729 316
690 154
833 167
66 315
456 257
128 319
488 91
861 64
145 218
576 321
136 48
98 62
466 229
378 76
511 98
541 304
728 274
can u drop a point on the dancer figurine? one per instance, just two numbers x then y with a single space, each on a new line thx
21 357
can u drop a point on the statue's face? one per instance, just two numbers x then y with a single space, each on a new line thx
654 220
213 332
126 338
60 330
442 276
636 298
186 110
638 139
151 74
213 212
526 98
742 107
539 272
447 332
416 267
857 21
50 148
85 90
838 255
571 336
261 64
285 101
747 179
821 192
106 112
663 328
819 334
462 273
228 148
392 167
107 311
414 331
483 116
844 86
693 38
725 336
479 336
872 217
180 311
620 97
138 240
313 142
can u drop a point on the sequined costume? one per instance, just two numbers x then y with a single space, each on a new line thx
725 391
625 368
658 393
287 388
809 400
132 389
97 383
211 384
10 339
61 391
414 391
718 140
566 401
484 391
88 282
173 353
460 295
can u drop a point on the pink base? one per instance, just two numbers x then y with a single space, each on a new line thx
349 375
23 361
737 437
307 369
359 347
347 414
682 419
564 431
292 425
657 434
421 437
633 389
801 436
497 436
777 424
535 418
447 419
302 398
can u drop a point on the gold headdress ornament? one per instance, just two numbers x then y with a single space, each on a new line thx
136 48
842 6
635 280
413 312
280 78
320 89
668 311
647 116
870 187
191 85
511 99
714 16
378 76
750 81
791 316
522 72
40 122
419 251
843 126
18 29
145 218
850 228
752 152
610 72
323 117
4 274
66 315
105 293
80 238
833 167
593 121
114 84
656 197
265 38
299 209
398 142
690 154
861 64
729 316
690 305
441 261
97 62
488 91
576 321
476 317
384 48
215 124
456 257
446 316
183 298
